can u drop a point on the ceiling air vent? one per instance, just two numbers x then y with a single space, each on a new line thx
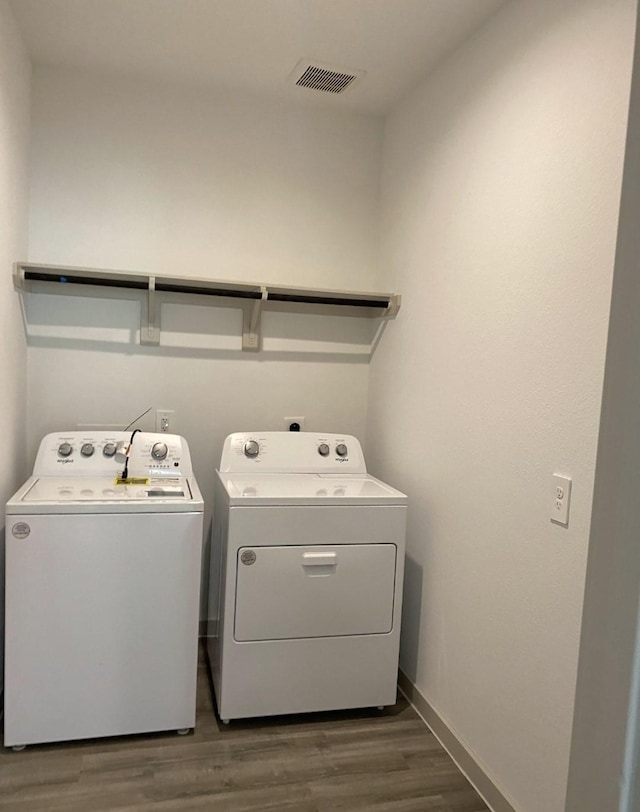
327 78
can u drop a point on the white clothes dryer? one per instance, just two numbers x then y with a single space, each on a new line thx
102 590
306 577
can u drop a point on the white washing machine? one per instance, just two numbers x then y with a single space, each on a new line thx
306 577
102 589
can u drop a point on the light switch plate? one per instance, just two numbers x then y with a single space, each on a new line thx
561 497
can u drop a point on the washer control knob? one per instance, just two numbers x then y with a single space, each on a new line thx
341 450
323 450
159 451
109 449
65 450
251 449
87 450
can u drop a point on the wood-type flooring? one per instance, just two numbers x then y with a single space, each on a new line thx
348 760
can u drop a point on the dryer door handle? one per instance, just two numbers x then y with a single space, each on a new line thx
319 559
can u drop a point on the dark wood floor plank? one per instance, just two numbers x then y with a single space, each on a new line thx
374 792
379 761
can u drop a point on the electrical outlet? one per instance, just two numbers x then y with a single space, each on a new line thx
560 499
166 421
291 422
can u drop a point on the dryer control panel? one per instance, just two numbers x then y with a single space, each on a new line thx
103 453
292 452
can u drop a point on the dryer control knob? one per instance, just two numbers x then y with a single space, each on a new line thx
87 450
65 449
323 450
159 451
341 450
251 448
109 449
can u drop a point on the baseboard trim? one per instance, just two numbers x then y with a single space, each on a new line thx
456 749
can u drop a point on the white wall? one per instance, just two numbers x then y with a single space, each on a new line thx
602 775
141 177
153 179
501 186
15 74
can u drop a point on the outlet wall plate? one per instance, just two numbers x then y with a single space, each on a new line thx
166 421
289 420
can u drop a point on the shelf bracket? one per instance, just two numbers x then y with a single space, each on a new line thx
150 316
251 321
393 306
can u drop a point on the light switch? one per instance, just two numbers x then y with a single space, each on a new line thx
561 497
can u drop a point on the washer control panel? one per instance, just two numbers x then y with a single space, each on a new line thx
103 453
292 452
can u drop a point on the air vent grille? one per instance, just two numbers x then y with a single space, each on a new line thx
316 75
327 80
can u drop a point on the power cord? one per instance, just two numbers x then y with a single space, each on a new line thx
125 470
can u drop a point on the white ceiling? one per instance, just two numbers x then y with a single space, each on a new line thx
254 45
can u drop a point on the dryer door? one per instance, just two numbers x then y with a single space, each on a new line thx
314 591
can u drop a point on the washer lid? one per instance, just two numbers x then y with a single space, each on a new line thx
103 494
309 489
